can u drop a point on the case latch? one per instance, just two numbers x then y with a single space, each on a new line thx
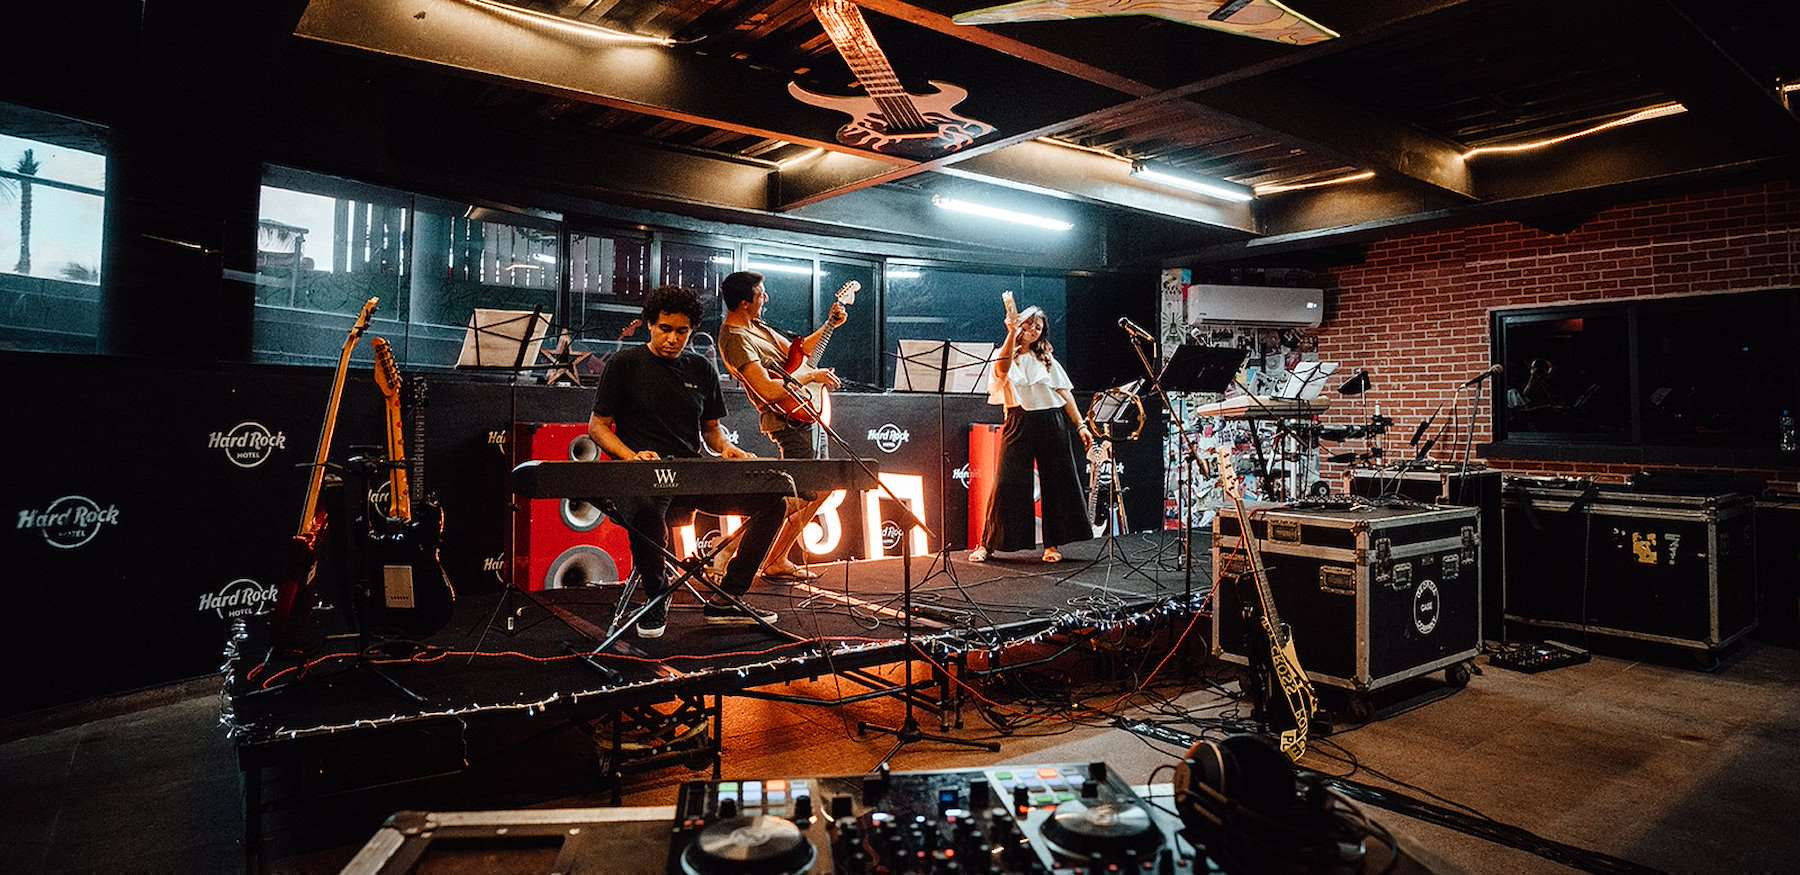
1467 553
1381 565
1285 531
1337 580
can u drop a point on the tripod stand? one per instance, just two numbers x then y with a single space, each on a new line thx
1107 410
940 368
908 732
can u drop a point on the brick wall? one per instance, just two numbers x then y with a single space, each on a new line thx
1416 311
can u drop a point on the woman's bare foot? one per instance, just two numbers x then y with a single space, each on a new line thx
1051 554
979 554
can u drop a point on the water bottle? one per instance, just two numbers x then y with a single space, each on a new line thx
1787 442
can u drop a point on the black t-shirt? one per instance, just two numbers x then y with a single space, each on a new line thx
658 404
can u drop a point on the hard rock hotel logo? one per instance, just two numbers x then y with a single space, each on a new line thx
247 444
70 521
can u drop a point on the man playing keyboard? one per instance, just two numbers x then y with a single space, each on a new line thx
658 401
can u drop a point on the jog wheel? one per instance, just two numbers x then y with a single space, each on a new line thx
1108 828
759 845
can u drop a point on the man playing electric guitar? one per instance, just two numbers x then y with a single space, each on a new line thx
756 355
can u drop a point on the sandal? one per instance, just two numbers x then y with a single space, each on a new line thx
979 554
1051 554
796 574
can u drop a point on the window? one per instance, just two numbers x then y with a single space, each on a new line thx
702 268
1703 371
52 208
325 245
929 303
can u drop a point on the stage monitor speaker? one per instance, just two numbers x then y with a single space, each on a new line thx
568 542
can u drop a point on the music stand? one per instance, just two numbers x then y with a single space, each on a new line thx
1192 368
507 340
940 367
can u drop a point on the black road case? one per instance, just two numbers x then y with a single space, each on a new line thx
1476 486
1605 559
1778 568
1374 595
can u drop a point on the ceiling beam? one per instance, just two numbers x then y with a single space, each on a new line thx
1702 74
668 82
1409 157
1101 180
1328 126
1635 161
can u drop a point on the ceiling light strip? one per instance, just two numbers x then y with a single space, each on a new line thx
985 211
1658 111
568 25
1354 177
1198 184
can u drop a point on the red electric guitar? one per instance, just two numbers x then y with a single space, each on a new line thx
800 364
291 606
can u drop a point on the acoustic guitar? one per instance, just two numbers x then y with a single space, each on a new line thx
293 592
411 593
1284 663
889 119
799 364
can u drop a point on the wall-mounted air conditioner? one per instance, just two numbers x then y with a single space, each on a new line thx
1258 305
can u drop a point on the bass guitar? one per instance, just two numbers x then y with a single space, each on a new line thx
799 364
1100 455
889 120
293 592
1284 663
411 592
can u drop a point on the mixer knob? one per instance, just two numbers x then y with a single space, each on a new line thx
1090 789
1021 799
978 794
841 806
803 808
1097 770
727 808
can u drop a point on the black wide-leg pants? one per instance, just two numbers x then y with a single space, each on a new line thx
1043 438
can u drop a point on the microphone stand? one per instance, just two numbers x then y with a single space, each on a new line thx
1188 458
908 732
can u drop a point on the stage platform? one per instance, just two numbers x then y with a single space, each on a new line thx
509 653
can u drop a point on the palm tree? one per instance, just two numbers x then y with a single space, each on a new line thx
27 166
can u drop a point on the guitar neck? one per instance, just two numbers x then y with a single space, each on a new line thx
399 496
317 478
818 352
844 23
416 461
1270 618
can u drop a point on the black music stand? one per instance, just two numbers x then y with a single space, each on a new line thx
1193 368
940 367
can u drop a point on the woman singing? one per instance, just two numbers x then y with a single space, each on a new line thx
1040 419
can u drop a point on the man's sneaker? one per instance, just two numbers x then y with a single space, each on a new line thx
654 621
721 614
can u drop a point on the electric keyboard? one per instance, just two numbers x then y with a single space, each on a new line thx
543 479
1253 407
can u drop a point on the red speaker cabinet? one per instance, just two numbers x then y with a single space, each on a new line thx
567 542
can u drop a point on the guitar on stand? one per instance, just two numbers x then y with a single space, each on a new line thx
413 594
292 593
1101 455
799 364
1300 702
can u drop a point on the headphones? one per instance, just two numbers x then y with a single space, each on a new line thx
1241 799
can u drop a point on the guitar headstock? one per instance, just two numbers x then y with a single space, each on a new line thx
846 293
1227 472
387 371
362 319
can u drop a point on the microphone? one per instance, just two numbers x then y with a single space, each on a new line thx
1135 330
1420 431
1490 372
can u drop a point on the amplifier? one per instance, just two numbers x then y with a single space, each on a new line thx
1476 486
562 542
1373 595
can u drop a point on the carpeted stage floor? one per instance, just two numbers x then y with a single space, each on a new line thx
507 651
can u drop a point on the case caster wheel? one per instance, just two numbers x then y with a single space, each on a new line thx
1706 660
1359 708
1458 675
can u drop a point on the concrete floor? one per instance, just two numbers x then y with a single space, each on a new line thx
1659 764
